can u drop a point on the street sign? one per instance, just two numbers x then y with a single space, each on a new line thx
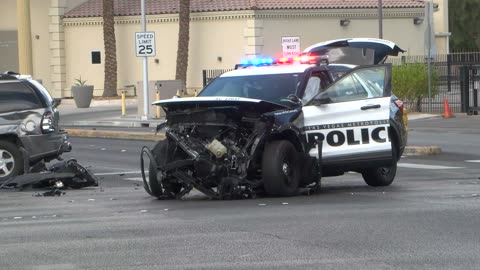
290 46
145 44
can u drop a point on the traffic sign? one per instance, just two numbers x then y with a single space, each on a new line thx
145 44
290 46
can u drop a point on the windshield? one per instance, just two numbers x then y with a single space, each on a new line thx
272 87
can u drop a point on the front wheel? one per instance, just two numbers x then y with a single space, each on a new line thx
11 161
280 169
382 176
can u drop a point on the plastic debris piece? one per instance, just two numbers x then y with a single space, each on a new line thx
91 200
58 184
143 211
166 209
113 199
262 204
284 203
17 217
124 151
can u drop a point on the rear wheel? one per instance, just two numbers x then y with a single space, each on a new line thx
280 169
11 160
382 176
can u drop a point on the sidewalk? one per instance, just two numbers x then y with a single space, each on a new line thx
104 120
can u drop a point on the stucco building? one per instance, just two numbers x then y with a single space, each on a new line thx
65 33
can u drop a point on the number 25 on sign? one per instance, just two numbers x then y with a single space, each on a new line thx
145 44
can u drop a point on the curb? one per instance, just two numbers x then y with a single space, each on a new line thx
150 136
422 150
108 134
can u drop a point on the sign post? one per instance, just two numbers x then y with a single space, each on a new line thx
290 46
144 54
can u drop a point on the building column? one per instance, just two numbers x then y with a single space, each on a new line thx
57 48
253 34
24 37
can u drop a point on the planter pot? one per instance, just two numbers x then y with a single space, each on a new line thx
82 95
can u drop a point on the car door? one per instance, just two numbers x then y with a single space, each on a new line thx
351 117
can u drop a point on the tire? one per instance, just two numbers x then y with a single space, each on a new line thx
11 161
382 176
280 169
157 185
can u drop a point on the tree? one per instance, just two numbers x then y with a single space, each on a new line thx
464 25
183 41
109 41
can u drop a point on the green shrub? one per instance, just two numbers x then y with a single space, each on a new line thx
410 83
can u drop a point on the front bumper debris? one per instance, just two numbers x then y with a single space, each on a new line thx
69 173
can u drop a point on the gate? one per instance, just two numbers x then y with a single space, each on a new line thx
470 82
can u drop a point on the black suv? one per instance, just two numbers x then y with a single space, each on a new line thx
29 131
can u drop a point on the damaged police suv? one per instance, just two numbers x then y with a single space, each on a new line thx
274 126
29 131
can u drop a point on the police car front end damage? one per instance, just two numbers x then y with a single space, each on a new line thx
275 126
215 146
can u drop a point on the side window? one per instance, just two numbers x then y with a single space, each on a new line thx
16 96
312 89
361 84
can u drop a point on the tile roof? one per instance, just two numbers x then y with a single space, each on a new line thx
93 8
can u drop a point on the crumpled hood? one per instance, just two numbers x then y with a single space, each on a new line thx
205 102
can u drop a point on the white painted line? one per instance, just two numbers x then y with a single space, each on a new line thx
427 167
139 179
117 173
473 161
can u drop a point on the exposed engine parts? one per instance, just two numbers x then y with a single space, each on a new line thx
217 151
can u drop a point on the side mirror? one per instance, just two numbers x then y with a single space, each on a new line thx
294 99
57 102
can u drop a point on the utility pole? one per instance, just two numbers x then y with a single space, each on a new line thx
380 19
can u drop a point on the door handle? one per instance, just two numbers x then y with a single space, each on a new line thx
372 106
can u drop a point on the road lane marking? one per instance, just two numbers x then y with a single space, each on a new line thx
139 179
427 167
117 173
473 161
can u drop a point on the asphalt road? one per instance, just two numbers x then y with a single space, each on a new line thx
428 218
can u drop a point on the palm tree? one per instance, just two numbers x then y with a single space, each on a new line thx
110 80
183 40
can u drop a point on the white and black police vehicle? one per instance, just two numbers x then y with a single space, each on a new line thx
273 126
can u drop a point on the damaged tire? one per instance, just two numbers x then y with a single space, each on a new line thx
158 184
280 168
11 161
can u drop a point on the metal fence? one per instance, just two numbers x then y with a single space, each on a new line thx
447 67
210 74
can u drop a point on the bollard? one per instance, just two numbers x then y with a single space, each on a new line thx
124 106
157 96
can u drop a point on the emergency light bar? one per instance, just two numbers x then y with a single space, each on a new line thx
301 59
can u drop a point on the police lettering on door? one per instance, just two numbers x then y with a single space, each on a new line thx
345 134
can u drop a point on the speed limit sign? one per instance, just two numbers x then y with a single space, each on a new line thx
145 44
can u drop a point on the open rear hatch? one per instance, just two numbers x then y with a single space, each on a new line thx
355 51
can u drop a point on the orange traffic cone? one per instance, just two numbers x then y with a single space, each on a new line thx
447 113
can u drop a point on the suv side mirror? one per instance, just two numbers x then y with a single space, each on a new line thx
56 102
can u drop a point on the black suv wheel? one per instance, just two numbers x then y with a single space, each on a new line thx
281 169
11 160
